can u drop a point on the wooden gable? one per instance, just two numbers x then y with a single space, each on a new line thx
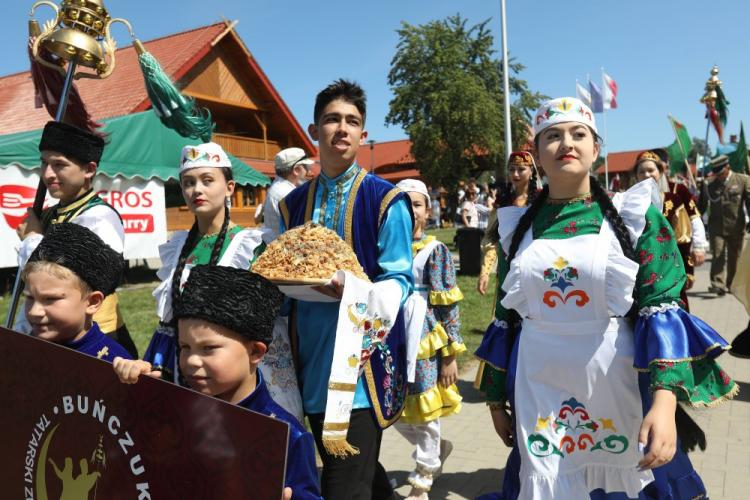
218 77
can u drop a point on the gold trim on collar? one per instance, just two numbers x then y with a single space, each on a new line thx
350 206
76 204
386 201
382 421
311 199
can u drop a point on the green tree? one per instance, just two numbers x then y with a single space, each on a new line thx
448 96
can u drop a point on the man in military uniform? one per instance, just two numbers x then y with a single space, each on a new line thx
725 196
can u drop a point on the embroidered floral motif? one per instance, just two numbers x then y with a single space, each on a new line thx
574 430
374 331
663 235
645 257
562 276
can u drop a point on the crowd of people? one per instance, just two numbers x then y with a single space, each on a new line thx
585 367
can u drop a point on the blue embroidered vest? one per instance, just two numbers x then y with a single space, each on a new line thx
366 208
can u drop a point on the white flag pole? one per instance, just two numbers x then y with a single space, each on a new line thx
506 88
606 147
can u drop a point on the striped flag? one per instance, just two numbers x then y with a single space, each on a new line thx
583 94
610 92
597 103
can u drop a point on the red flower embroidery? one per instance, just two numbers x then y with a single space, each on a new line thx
663 235
570 228
651 279
645 257
725 380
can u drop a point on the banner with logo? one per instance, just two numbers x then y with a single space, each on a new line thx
70 429
139 202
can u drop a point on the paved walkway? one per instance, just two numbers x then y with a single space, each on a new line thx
476 464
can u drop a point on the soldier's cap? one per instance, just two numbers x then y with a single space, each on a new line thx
718 163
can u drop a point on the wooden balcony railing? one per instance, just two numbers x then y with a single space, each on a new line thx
247 146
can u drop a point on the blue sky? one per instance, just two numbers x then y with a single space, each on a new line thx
659 52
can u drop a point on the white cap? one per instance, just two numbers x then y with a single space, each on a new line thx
209 154
414 186
562 110
288 158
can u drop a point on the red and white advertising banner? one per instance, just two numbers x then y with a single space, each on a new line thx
139 202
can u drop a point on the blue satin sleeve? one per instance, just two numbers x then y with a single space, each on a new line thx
301 473
496 345
394 248
672 334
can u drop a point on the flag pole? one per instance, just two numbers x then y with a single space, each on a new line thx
41 192
606 147
684 154
506 94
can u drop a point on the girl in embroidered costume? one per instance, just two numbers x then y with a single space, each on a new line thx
680 210
519 192
207 186
433 341
593 397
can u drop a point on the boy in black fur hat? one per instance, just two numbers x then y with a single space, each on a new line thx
67 279
69 159
225 324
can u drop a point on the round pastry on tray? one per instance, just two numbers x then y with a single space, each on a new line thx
307 255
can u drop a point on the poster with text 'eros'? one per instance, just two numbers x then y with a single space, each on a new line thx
69 429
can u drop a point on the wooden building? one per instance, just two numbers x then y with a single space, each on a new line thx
211 64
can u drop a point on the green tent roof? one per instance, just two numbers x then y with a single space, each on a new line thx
139 146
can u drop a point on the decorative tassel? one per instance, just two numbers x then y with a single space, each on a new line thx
48 85
175 111
339 447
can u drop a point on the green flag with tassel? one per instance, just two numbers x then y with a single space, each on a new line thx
175 111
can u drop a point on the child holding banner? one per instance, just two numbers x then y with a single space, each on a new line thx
207 186
68 277
225 322
70 157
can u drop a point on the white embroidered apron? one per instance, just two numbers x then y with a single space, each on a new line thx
415 309
577 406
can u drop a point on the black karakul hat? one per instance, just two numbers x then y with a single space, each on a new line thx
83 252
237 299
72 141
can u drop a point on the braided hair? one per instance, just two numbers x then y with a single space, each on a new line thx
610 213
192 240
599 195
531 190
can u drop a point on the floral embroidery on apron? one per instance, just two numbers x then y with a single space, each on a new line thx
562 276
574 430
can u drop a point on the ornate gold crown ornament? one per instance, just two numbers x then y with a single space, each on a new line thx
712 83
79 34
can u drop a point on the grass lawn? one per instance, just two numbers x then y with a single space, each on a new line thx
138 307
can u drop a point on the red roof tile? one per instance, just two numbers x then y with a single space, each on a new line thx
120 94
622 161
385 154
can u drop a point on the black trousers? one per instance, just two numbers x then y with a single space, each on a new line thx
356 477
